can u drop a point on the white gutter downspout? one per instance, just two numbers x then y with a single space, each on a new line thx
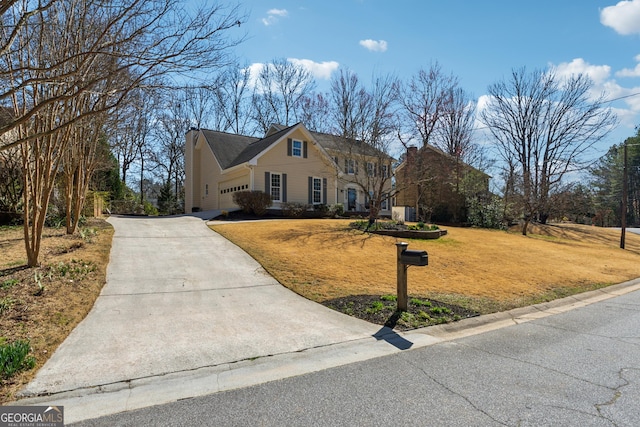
251 176
194 137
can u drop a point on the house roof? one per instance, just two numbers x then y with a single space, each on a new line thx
227 146
340 144
233 150
259 146
440 152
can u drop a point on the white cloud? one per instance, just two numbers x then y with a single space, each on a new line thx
374 45
624 17
254 72
597 73
627 107
319 70
273 15
483 100
630 72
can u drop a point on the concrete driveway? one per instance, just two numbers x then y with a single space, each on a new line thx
180 297
186 313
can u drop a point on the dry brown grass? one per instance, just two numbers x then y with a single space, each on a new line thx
322 259
72 271
485 270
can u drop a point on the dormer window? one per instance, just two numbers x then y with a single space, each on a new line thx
296 148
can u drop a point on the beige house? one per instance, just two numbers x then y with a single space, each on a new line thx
292 164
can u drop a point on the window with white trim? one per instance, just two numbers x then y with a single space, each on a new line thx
276 187
371 169
317 191
296 148
385 202
385 171
350 166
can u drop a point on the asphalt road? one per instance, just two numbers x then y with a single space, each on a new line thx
578 368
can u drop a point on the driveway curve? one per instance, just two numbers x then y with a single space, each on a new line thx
180 297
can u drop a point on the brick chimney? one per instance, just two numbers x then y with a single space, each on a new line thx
412 152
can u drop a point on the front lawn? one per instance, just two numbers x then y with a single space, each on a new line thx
40 306
480 271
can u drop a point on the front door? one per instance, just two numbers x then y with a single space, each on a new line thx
351 198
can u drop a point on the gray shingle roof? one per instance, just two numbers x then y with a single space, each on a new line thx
227 146
342 145
232 150
259 146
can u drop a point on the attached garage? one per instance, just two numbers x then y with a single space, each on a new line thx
226 189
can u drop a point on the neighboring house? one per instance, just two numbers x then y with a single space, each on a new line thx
292 164
434 184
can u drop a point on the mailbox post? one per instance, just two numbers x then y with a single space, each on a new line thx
405 258
403 297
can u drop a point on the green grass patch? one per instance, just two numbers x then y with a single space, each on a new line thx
375 307
14 357
73 269
8 284
420 302
5 304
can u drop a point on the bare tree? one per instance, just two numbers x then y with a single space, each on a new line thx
53 55
313 111
10 170
365 122
543 126
147 38
168 153
280 86
200 103
80 162
12 28
456 132
233 100
424 100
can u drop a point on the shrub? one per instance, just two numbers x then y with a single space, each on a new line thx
321 208
336 210
14 358
421 226
149 209
294 209
486 212
256 202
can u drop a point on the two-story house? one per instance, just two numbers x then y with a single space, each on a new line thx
291 164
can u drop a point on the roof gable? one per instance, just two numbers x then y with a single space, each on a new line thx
226 147
257 147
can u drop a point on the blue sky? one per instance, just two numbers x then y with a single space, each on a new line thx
478 41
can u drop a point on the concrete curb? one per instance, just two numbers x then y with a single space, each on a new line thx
138 393
488 322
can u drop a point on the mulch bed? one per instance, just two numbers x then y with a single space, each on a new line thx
381 310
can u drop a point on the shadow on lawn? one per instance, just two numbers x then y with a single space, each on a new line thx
338 237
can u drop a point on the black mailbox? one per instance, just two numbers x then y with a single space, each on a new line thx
408 257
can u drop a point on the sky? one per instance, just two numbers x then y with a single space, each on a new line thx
480 42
